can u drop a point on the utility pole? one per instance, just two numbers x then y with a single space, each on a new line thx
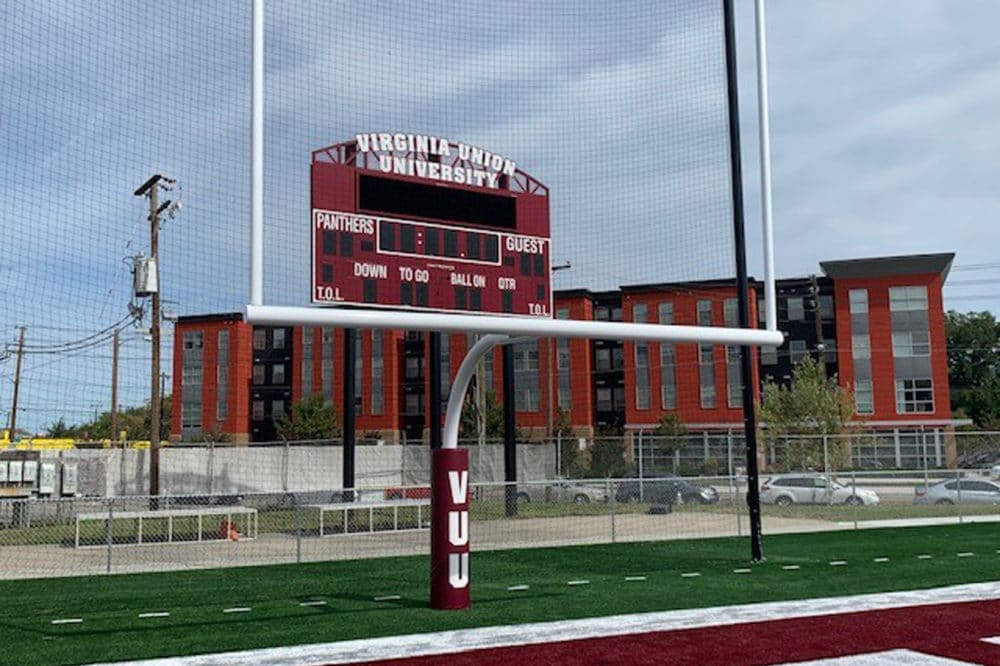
114 388
17 385
151 188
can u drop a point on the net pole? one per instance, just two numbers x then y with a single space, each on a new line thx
257 155
742 285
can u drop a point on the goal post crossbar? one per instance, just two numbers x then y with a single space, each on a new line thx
277 315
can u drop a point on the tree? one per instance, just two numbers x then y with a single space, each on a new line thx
974 366
134 421
571 463
671 433
813 404
468 429
311 418
607 457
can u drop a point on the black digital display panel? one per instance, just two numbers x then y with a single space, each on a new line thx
407 199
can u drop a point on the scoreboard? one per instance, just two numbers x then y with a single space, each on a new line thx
418 223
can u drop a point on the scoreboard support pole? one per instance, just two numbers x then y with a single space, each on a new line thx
350 342
509 434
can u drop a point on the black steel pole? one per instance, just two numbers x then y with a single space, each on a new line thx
436 389
509 434
742 285
350 345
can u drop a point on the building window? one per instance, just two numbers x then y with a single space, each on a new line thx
278 373
279 338
326 365
706 376
730 313
413 404
642 375
414 367
911 343
861 347
704 313
564 399
602 359
527 396
830 350
907 299
668 377
259 339
640 313
825 306
257 410
668 364
601 313
191 373
797 351
488 370
377 366
307 361
222 377
768 356
914 395
858 300
192 378
734 377
277 410
864 397
796 308
665 311
604 400
258 374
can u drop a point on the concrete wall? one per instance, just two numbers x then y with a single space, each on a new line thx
260 469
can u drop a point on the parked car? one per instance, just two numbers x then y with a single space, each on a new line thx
666 489
563 490
995 472
788 489
964 491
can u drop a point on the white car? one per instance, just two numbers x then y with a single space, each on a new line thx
787 489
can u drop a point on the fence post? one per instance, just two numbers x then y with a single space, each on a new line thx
854 487
110 536
559 471
610 490
958 484
298 528
641 484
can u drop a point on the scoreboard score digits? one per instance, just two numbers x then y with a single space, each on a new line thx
388 239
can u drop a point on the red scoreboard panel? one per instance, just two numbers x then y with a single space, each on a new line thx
390 241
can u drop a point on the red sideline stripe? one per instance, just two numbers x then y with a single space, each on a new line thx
953 631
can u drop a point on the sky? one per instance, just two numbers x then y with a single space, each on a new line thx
882 140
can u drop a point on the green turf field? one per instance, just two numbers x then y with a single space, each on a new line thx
112 629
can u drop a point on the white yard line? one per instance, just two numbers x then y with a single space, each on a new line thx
445 642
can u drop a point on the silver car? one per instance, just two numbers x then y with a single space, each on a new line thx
959 491
788 489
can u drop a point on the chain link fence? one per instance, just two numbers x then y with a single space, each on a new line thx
104 535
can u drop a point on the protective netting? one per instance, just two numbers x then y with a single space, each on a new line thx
618 109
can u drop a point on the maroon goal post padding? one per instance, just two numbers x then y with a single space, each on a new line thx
450 529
